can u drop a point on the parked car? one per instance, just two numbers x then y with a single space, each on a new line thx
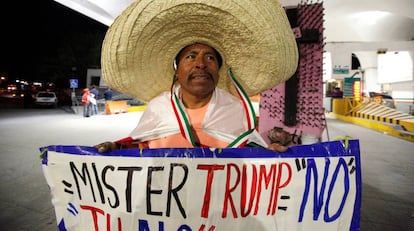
383 99
44 98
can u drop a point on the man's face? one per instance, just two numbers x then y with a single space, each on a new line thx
197 70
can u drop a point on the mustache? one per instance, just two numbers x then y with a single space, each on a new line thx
197 73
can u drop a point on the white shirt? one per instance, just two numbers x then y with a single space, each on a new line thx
225 119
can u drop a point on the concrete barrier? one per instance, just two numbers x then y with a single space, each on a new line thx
115 107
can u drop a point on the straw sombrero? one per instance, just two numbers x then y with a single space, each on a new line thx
254 39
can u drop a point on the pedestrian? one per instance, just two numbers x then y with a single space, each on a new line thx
95 94
217 53
93 104
108 94
86 102
27 98
337 93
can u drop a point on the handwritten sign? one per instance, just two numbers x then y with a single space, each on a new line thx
309 187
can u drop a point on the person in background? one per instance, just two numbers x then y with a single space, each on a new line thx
27 98
94 106
337 93
108 94
86 96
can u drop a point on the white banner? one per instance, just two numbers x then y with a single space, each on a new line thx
310 187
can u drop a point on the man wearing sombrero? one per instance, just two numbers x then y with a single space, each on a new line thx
190 59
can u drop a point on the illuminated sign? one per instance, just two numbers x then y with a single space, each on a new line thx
357 90
73 83
341 70
352 87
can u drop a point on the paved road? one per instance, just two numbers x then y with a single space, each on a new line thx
25 200
387 166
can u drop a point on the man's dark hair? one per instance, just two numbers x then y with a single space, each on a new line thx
178 57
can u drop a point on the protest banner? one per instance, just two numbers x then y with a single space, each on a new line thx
309 187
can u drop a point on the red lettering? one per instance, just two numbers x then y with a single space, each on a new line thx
227 195
279 185
209 182
119 224
212 228
253 186
108 223
95 211
250 182
267 177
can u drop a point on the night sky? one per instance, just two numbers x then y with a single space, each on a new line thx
33 34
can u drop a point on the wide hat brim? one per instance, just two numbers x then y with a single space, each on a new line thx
254 39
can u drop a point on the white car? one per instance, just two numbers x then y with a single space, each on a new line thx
44 98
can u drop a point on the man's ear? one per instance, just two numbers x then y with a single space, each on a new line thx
175 66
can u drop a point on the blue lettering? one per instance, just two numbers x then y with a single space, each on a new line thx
143 226
318 198
343 164
184 227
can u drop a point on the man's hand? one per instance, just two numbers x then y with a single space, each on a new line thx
106 146
277 147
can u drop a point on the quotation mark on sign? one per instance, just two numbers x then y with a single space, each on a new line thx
68 186
351 161
300 164
72 209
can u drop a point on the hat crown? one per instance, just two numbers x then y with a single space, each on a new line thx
253 37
